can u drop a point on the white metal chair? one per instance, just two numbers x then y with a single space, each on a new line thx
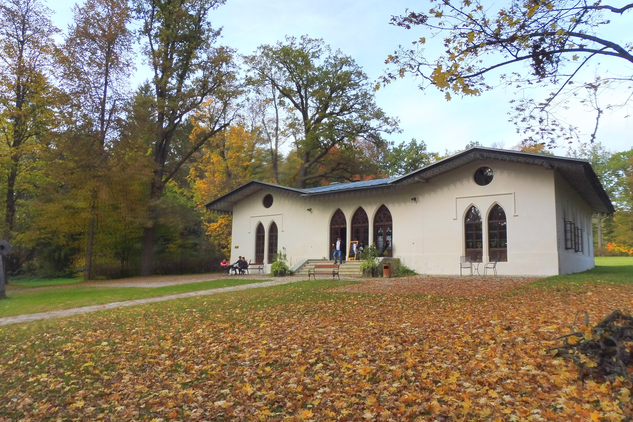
465 262
491 265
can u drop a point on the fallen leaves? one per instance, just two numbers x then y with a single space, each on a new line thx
315 356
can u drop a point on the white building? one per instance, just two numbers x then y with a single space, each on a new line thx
530 212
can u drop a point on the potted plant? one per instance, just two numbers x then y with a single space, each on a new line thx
369 265
279 268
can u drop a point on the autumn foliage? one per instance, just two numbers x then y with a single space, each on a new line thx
304 352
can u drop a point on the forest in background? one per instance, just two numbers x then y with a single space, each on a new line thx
105 179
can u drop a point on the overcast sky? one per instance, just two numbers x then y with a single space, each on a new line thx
360 29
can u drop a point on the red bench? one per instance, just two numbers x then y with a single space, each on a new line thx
325 269
256 266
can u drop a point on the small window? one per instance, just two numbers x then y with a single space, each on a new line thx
268 201
570 235
578 239
483 176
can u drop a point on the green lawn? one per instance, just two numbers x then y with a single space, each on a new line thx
29 301
615 270
303 351
42 282
24 298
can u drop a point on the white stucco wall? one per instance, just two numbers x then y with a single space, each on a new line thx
571 207
428 234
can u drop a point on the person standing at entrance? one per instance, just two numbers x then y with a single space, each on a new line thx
337 251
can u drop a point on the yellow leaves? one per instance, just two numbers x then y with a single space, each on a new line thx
306 414
471 36
532 10
365 370
356 350
79 404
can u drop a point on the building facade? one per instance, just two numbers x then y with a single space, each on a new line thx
530 213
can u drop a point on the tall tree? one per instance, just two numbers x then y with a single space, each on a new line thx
554 38
330 103
407 157
26 49
229 160
97 60
187 72
266 110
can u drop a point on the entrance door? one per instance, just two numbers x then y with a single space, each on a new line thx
338 228
360 226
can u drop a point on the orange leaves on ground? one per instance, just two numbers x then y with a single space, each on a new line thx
300 355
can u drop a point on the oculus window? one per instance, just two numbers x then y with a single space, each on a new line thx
483 176
268 201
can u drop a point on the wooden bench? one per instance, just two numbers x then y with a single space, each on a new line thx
256 266
325 269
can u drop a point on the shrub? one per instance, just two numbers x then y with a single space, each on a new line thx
279 268
404 271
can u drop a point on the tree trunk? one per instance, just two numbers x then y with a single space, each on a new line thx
302 175
90 240
600 235
148 249
149 231
3 294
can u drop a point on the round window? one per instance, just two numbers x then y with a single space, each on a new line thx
268 201
483 176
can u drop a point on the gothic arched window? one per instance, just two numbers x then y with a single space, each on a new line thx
497 235
474 234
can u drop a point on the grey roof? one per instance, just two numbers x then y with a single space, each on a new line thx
348 186
578 173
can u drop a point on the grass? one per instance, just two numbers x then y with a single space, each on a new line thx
24 299
30 301
613 270
302 352
41 282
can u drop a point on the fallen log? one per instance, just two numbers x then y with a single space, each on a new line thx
602 352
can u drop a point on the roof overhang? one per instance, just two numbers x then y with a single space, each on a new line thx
578 173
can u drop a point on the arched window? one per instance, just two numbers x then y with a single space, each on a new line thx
497 235
383 231
474 234
338 228
272 242
260 241
360 226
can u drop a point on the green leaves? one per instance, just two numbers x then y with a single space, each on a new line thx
330 105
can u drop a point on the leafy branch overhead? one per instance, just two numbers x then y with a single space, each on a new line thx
556 39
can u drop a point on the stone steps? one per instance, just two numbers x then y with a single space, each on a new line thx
347 269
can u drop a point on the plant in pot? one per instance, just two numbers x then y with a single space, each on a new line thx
369 266
279 267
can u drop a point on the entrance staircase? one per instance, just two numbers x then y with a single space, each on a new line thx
348 269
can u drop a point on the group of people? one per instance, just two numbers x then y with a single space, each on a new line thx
357 249
239 267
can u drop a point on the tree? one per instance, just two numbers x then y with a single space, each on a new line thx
229 161
615 171
188 71
407 157
96 65
556 38
26 47
266 109
328 99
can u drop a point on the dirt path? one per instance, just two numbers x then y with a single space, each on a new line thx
149 282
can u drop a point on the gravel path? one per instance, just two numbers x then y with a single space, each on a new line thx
150 282
425 284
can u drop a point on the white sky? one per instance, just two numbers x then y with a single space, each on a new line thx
360 29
